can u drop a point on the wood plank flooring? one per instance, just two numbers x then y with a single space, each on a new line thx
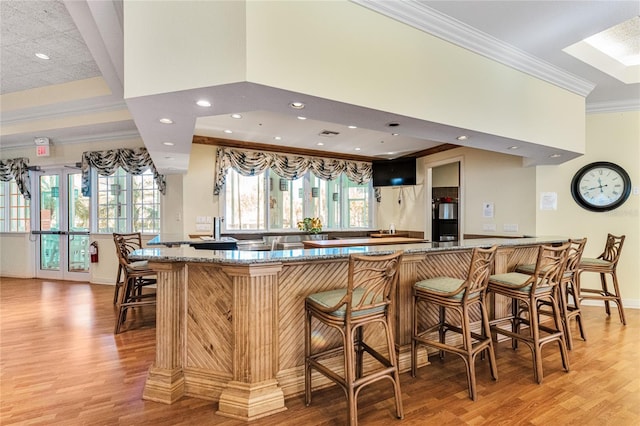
61 364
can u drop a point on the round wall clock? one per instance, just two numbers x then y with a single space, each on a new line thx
601 186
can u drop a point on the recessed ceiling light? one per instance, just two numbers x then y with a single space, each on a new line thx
168 143
228 131
555 155
296 105
462 138
357 149
320 144
394 134
277 138
203 103
301 117
513 147
352 127
166 121
42 56
390 153
236 116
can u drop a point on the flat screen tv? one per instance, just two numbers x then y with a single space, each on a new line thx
398 172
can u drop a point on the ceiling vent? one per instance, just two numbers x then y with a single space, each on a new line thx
328 133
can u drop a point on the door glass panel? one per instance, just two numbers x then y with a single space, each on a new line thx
50 221
78 253
50 203
78 222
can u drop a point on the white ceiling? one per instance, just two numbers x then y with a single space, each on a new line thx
84 40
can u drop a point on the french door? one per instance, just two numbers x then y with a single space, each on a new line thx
62 226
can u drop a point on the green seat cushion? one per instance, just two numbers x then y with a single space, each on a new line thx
140 264
526 269
441 285
590 261
514 280
328 299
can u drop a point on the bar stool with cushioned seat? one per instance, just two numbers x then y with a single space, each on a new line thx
132 241
136 276
606 263
567 295
529 289
367 300
458 295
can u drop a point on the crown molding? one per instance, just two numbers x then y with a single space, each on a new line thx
431 21
613 106
57 111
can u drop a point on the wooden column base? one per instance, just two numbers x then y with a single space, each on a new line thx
164 385
245 401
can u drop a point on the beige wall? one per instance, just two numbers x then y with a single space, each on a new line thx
206 41
445 176
613 137
417 74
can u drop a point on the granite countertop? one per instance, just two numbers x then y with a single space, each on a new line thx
190 254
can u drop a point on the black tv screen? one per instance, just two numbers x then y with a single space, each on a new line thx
398 172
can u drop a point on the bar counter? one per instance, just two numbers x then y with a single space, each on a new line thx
230 324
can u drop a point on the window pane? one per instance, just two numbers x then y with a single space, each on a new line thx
358 204
146 203
112 202
245 202
49 202
285 202
78 204
340 203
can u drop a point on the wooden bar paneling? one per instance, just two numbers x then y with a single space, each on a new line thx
234 333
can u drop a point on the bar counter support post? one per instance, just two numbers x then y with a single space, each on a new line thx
254 391
165 380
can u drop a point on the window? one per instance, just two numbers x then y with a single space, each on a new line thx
252 202
15 212
127 203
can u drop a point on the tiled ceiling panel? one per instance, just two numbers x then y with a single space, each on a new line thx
29 27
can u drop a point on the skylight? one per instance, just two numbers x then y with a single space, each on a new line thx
615 51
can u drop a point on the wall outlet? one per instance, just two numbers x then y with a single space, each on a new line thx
488 226
510 227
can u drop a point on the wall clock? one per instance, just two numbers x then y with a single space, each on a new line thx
601 186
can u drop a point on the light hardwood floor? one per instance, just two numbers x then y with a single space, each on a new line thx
62 365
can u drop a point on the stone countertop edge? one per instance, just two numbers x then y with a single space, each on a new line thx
192 255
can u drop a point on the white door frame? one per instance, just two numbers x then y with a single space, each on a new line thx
63 233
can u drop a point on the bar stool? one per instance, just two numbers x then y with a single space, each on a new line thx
136 276
529 289
367 299
567 295
458 295
132 241
606 263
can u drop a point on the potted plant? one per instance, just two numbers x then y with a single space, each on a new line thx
311 225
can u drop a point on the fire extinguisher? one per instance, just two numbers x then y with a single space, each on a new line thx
93 251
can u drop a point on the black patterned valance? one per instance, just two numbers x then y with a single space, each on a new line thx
17 169
134 161
249 163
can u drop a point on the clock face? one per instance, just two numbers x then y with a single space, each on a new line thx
601 186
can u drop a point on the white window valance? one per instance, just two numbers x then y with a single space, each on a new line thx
134 161
249 163
18 169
